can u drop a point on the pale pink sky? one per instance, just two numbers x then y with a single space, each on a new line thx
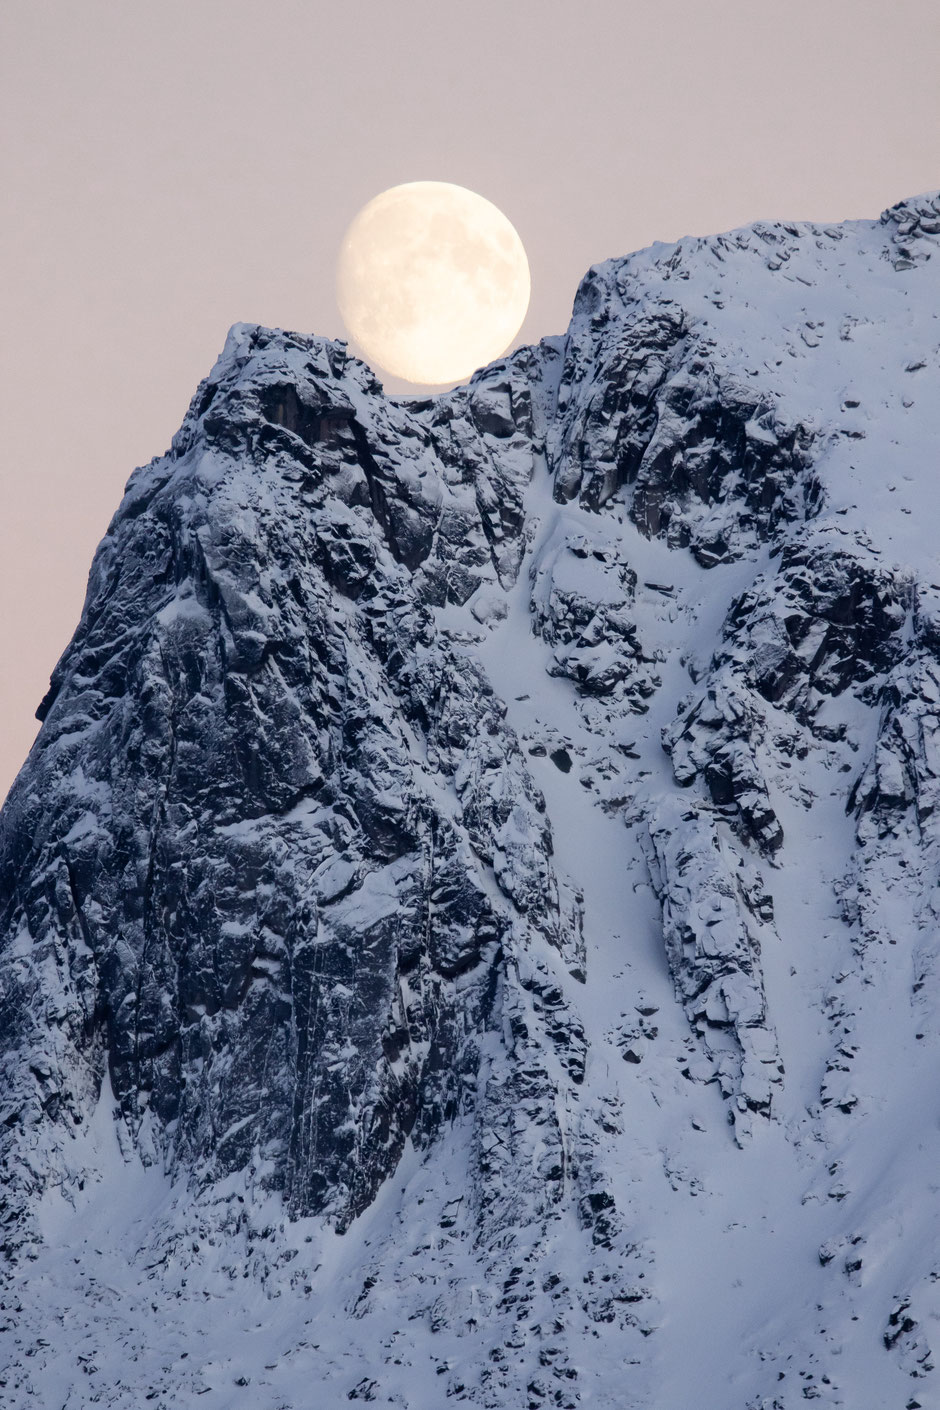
170 168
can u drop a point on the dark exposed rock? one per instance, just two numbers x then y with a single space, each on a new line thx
253 908
830 618
713 921
707 465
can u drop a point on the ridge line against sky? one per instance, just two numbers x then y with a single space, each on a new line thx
171 170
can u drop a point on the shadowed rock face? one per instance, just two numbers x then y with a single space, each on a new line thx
708 464
275 835
467 784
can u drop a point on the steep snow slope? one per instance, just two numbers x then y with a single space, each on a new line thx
470 917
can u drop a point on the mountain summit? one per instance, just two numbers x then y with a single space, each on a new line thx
469 919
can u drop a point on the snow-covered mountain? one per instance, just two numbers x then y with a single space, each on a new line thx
470 916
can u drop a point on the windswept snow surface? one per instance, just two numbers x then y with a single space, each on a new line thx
471 914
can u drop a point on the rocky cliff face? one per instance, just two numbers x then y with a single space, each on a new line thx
474 886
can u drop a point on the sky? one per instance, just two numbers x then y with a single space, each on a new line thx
168 169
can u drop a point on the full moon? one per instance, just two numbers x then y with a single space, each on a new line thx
432 281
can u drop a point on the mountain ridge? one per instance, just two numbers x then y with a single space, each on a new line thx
526 792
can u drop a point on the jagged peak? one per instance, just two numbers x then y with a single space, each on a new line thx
922 210
349 850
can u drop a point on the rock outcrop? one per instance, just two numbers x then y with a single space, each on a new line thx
467 834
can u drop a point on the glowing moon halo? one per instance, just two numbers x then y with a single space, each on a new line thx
432 281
